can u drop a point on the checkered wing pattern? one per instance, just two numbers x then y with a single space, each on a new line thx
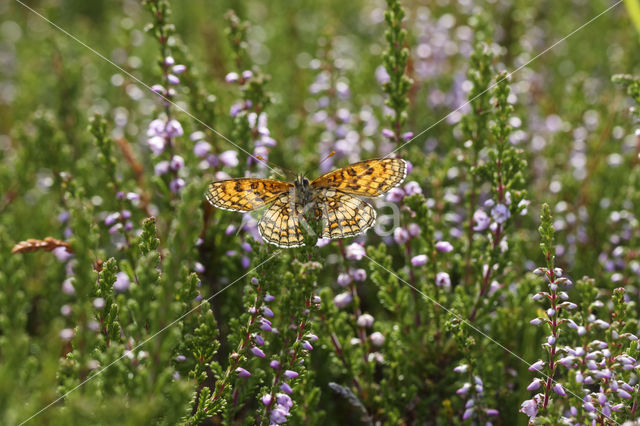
280 224
370 178
245 194
343 215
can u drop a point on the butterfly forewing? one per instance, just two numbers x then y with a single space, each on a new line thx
245 194
370 178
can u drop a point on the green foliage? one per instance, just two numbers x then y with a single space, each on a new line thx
149 306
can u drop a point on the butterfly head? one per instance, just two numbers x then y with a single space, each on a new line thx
302 189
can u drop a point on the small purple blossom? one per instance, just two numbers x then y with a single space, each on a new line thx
557 388
177 162
395 195
344 279
67 286
174 129
481 221
290 374
388 133
232 77
122 282
365 321
62 254
275 364
267 312
400 236
268 297
537 366
176 185
229 158
377 338
343 299
529 407
443 280
306 345
242 372
359 274
500 213
179 69
201 149
257 351
66 334
414 229
354 251
419 260
161 168
173 79
444 246
412 187
286 388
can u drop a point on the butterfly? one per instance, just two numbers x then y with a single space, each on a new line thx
335 197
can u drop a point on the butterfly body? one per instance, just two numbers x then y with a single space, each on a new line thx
335 198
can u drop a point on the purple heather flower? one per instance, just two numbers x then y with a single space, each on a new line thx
268 297
444 246
443 280
500 213
266 399
232 77
235 109
67 286
323 242
174 129
286 388
242 372
265 325
480 220
395 195
161 168
157 88
179 69
246 247
181 358
290 374
419 260
618 407
412 187
275 364
377 338
229 158
388 133
464 389
112 218
172 79
230 230
267 312
201 148
400 236
407 136
177 162
344 279
342 299
467 413
168 61
312 337
99 303
535 384
62 254
529 407
536 321
414 229
115 228
247 74
461 368
365 321
198 267
176 185
537 366
623 394
589 407
156 128
557 388
258 339
257 351
306 345
122 282
65 310
491 412
66 334
359 274
284 400
354 251
278 415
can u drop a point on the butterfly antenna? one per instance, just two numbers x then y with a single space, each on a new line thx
331 154
287 172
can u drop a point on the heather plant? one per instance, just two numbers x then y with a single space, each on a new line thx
498 286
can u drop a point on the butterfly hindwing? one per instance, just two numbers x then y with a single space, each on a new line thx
343 215
245 194
280 224
370 178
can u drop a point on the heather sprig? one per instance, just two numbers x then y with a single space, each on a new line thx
395 62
